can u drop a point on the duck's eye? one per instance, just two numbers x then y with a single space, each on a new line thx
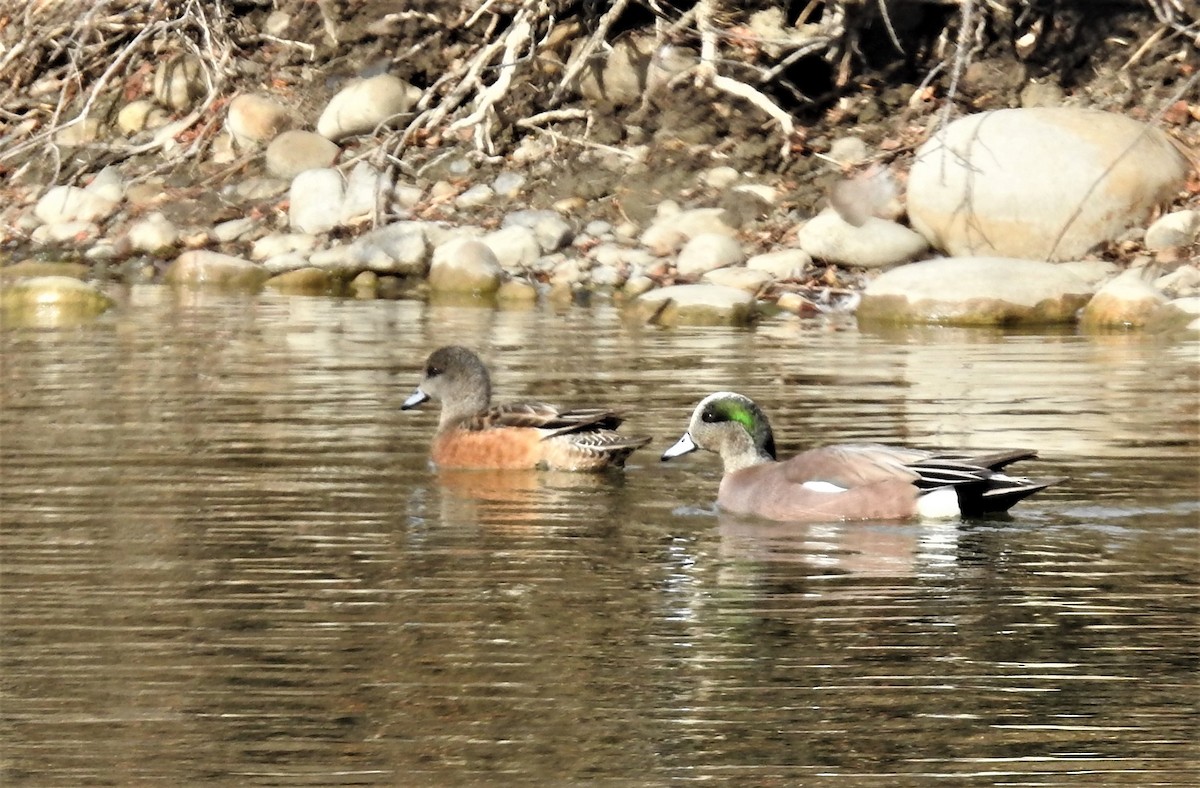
432 372
709 416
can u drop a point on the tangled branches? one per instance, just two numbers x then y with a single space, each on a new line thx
489 70
65 63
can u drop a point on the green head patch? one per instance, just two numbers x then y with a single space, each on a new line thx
742 411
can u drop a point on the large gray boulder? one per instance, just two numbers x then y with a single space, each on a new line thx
975 291
1044 183
706 305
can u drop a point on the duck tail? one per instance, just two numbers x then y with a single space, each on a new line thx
978 480
999 493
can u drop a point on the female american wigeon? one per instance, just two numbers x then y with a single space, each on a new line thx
473 433
846 482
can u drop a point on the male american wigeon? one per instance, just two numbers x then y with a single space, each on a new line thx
473 433
845 482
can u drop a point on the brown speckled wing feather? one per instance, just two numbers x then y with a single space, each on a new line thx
543 416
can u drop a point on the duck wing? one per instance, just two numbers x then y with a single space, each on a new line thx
978 479
853 465
546 417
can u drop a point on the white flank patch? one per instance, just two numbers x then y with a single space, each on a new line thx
823 487
939 504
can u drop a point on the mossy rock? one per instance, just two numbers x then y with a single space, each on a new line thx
51 301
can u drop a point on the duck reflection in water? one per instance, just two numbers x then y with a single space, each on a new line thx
876 549
502 499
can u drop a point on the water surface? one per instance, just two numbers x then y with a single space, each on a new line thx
224 558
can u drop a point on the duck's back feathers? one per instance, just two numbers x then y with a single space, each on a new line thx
543 416
978 479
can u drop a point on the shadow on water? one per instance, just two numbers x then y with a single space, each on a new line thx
224 558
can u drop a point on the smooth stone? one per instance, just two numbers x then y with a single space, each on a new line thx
105 250
282 243
73 204
707 305
76 232
620 256
107 184
141 197
1041 94
287 261
295 151
1174 315
515 247
1127 301
363 187
1179 228
315 200
135 116
475 197
517 291
400 248
974 291
83 132
768 194
441 191
407 195
204 269
340 259
608 277
873 192
364 104
28 269
532 150
365 285
876 243
636 285
235 229
51 301
781 263
570 272
720 178
1094 272
707 252
308 281
552 231
1044 183
621 80
258 189
598 228
849 151
153 234
747 279
253 118
667 209
509 184
465 265
670 231
179 81
277 23
1183 281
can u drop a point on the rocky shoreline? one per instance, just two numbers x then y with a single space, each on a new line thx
1052 212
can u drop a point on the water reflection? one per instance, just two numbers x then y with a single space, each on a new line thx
863 549
225 558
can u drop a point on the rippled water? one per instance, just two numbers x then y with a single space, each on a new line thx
223 558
